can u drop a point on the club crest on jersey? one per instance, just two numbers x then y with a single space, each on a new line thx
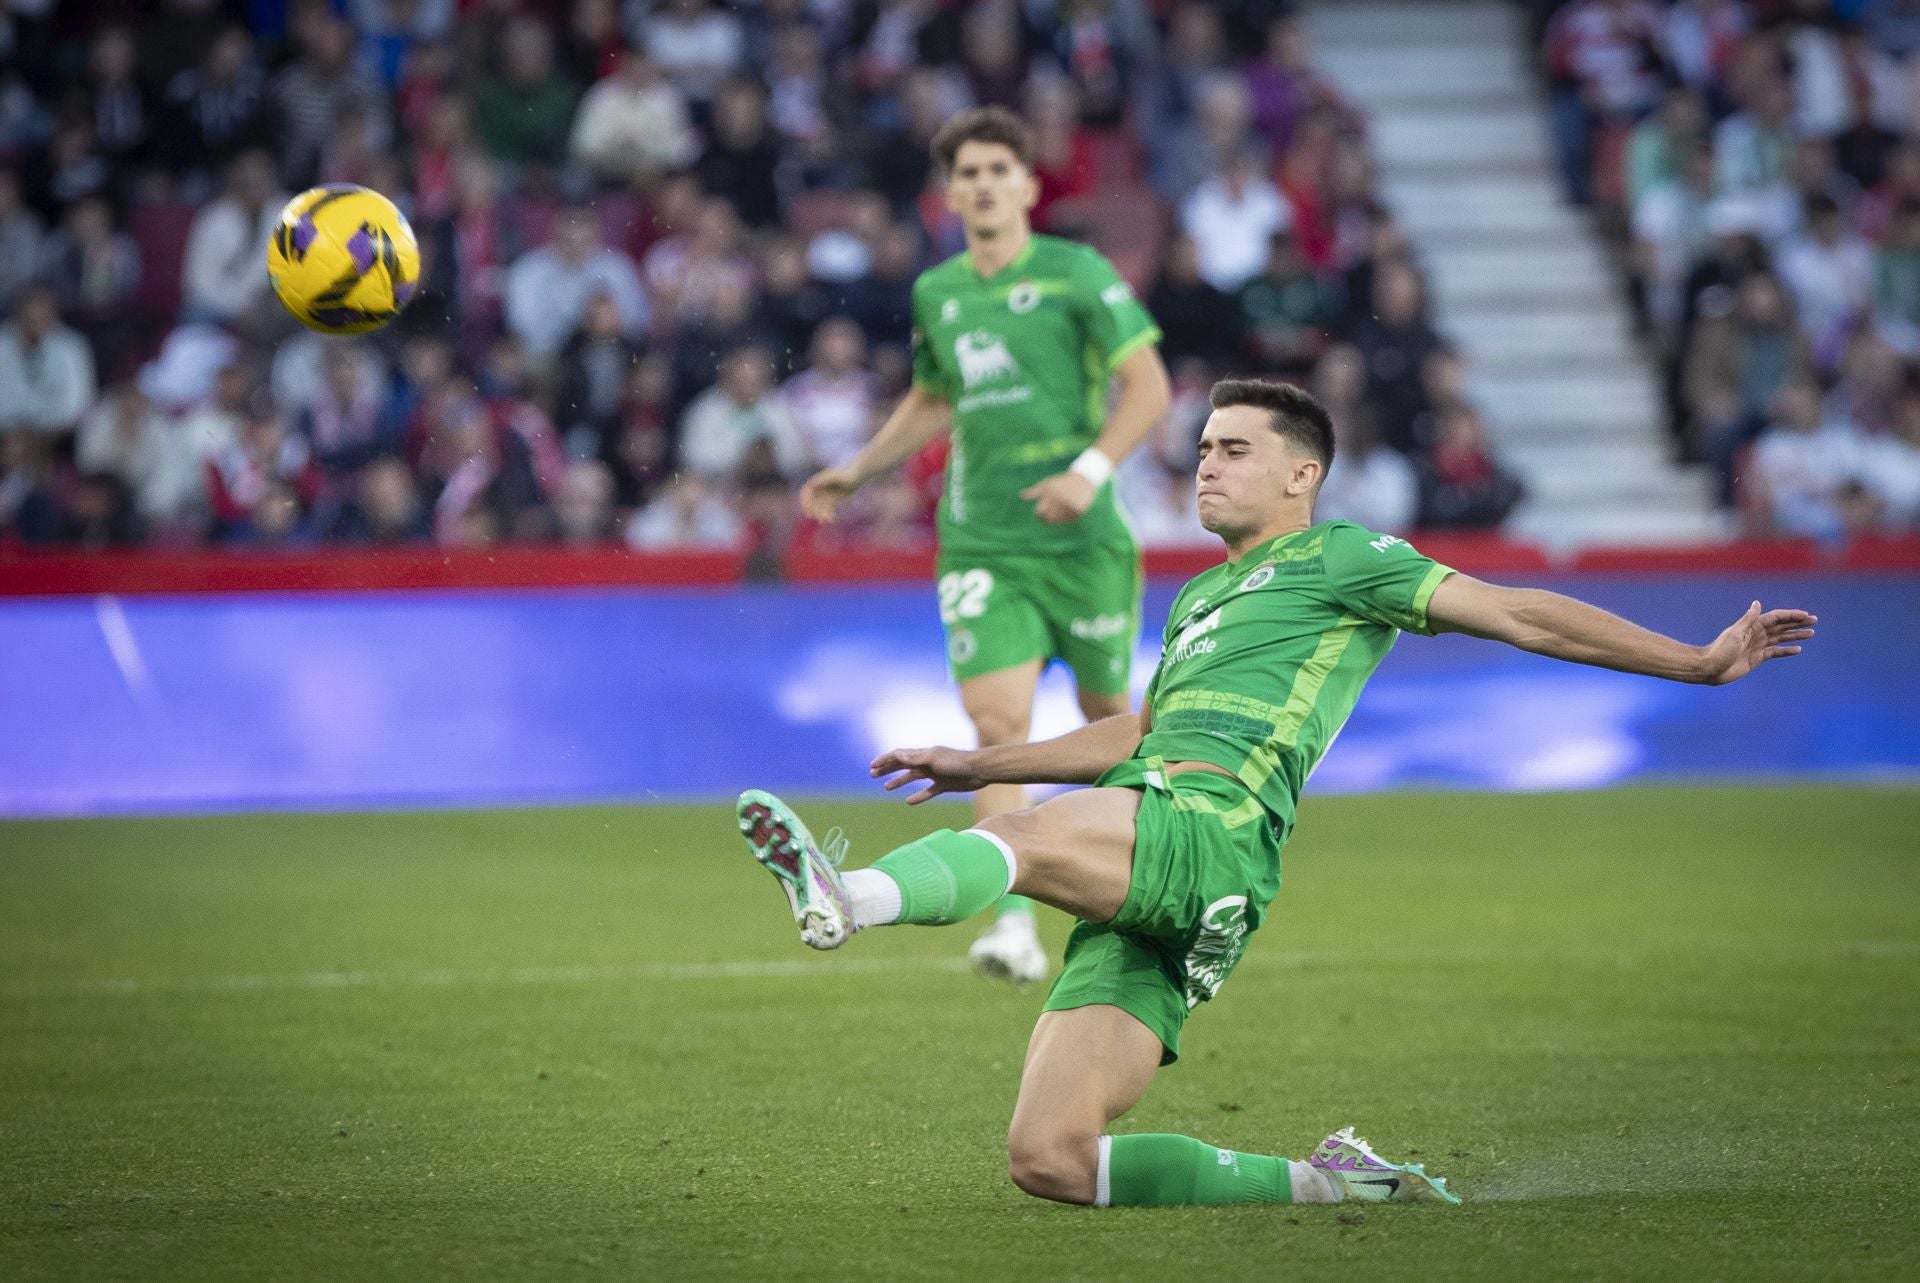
1258 579
983 358
950 311
1023 297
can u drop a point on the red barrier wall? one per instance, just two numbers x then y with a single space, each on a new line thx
359 569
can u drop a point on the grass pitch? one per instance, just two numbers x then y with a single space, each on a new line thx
1653 1033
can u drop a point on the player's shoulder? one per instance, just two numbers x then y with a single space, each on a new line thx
1347 540
943 275
1075 257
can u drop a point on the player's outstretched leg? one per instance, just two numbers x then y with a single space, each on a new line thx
1363 1174
942 878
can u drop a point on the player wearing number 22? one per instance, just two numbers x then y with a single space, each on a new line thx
1016 341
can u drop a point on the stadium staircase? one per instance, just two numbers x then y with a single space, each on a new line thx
1519 279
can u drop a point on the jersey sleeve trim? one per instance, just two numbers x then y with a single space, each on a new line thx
1126 349
1424 594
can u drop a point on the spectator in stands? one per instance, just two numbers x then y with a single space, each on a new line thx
1395 343
385 509
28 509
1286 312
1898 184
1232 219
685 515
792 304
831 404
258 485
346 425
215 111
1601 59
1285 87
697 46
1659 148
125 436
583 513
899 158
71 168
645 452
224 274
217 422
1753 153
1063 152
881 299
1099 45
1867 393
308 95
94 271
1891 468
46 370
1368 483
1805 474
21 233
1198 319
1737 363
633 124
724 421
1896 283
121 104
548 289
991 57
1461 484
1672 230
592 382
741 156
1194 55
523 113
799 88
1828 271
688 271
1204 147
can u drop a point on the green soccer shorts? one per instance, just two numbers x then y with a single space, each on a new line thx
1206 864
1001 610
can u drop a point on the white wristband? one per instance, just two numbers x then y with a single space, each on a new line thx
1094 466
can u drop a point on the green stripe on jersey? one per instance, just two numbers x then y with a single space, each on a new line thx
1265 657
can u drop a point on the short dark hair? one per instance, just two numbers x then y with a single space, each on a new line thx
1292 412
983 125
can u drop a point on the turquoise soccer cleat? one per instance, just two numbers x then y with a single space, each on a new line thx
808 872
1362 1174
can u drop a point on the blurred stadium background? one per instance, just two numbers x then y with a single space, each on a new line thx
1616 296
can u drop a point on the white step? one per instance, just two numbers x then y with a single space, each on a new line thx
1460 195
1589 455
1393 25
1454 222
1649 488
1525 294
1487 331
1378 75
1572 527
1571 401
1461 138
1576 266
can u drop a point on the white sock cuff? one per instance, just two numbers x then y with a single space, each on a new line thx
1102 1185
875 897
1006 853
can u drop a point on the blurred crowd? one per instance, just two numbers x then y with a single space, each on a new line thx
1760 160
667 251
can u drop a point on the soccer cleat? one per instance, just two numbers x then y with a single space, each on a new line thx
808 872
1360 1173
1010 950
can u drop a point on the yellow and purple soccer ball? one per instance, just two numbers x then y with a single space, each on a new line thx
342 259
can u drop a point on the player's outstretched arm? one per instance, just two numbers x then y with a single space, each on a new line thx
919 418
1550 623
1078 757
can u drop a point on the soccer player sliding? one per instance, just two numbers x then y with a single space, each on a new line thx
1171 859
1015 341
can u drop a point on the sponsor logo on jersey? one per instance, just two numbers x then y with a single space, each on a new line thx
1116 294
1023 298
950 311
1258 579
1385 542
1193 639
1099 627
1216 947
983 358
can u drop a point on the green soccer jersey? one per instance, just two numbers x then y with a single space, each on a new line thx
1265 657
1024 357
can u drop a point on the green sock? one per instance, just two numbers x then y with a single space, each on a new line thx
1159 1170
946 877
1013 904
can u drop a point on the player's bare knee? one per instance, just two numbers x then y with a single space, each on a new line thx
1053 1164
995 726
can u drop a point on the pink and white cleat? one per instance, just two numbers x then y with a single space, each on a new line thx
1358 1172
806 871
